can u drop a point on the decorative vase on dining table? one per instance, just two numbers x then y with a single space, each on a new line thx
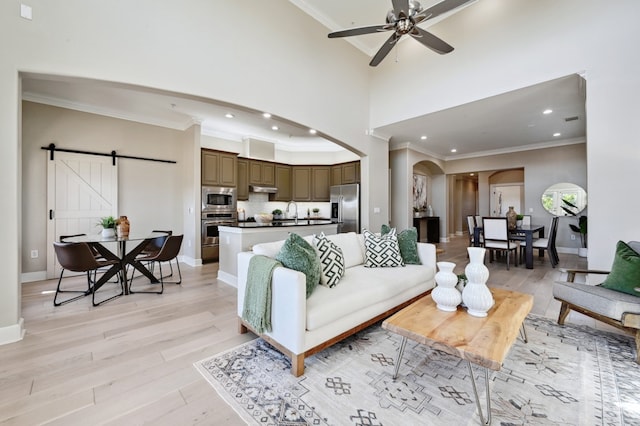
476 295
123 226
512 218
445 294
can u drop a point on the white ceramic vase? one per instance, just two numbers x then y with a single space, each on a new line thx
446 296
476 295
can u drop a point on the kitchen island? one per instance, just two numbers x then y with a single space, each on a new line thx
244 235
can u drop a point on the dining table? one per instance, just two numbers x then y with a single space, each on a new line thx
125 258
526 231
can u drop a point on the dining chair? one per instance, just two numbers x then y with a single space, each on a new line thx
496 238
167 253
471 225
154 246
548 243
78 257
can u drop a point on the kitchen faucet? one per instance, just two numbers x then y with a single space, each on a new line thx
296 205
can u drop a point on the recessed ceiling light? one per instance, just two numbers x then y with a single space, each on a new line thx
555 135
313 131
229 115
423 137
266 115
454 150
274 127
547 111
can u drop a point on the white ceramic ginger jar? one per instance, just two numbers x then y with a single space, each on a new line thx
445 294
476 295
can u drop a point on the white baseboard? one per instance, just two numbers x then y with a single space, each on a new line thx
28 277
190 261
227 278
12 333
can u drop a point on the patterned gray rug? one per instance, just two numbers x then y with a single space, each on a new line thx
572 375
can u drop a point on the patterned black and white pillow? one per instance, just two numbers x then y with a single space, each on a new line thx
332 260
381 251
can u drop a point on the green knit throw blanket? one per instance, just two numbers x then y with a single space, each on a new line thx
257 295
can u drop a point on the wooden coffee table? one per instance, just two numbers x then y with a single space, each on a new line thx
482 341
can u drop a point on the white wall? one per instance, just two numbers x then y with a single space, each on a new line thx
503 45
190 47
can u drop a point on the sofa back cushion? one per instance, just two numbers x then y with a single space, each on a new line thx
351 248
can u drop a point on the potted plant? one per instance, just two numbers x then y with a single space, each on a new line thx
277 214
108 224
581 228
316 211
519 218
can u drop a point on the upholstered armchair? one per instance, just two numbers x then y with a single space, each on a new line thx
614 301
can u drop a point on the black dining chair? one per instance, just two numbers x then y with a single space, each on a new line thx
548 243
78 257
169 251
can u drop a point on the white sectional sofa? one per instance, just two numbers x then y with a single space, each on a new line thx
302 327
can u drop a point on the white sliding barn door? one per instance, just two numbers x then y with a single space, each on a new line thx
80 190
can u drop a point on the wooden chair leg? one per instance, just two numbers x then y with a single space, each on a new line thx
564 311
297 364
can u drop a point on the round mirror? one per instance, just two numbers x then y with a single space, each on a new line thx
567 195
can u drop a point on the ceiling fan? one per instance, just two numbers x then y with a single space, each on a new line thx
404 19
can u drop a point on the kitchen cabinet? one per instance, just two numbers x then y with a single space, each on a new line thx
219 168
283 183
261 173
345 173
243 179
320 183
301 183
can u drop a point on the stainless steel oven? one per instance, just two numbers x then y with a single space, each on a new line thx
211 220
219 199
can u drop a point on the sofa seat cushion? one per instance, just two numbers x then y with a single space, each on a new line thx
362 287
610 303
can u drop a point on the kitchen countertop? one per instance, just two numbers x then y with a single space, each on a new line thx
283 223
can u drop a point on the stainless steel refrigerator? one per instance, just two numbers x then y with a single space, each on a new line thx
345 207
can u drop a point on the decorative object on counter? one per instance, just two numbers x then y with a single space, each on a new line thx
429 211
123 226
308 213
476 295
316 211
241 215
263 217
277 214
512 218
446 296
108 224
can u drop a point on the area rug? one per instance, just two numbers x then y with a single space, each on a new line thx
571 375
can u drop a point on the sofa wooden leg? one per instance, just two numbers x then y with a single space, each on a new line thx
297 364
564 311
242 329
638 346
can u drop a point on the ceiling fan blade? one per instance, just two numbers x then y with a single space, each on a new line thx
400 6
432 42
440 8
385 49
360 31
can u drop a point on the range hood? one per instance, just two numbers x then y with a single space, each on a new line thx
264 189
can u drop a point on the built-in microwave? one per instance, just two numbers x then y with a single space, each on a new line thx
219 198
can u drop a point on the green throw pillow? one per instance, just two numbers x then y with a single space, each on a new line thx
625 272
408 242
297 254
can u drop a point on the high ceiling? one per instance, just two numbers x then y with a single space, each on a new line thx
508 122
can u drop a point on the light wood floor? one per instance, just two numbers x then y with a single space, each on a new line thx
130 360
